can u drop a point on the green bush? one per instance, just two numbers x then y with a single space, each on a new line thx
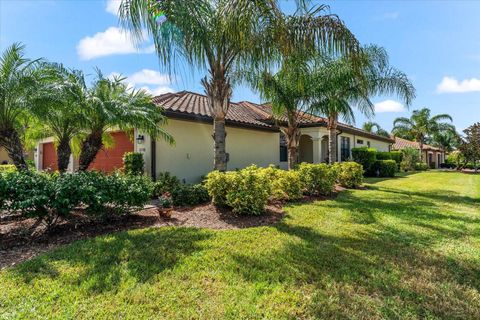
7 168
397 156
317 178
165 183
218 184
133 163
365 156
190 195
421 166
410 156
382 155
350 174
385 168
249 191
285 185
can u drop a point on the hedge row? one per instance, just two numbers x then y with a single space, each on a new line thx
376 163
181 194
50 196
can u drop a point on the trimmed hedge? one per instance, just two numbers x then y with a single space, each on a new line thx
349 174
190 195
133 163
383 155
286 185
317 179
421 166
365 156
385 168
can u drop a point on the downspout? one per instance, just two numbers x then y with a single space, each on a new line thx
339 159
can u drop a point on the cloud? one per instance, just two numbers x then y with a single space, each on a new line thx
112 41
149 80
389 106
388 16
113 6
452 85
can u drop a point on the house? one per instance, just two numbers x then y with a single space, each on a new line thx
431 155
253 137
5 159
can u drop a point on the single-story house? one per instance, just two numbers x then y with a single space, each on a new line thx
252 138
431 155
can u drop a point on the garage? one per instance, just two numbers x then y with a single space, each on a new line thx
108 160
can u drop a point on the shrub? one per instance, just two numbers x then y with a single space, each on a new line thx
350 174
317 178
165 183
421 166
382 155
189 195
218 184
456 158
365 156
5 168
248 192
133 163
397 156
285 185
385 168
410 156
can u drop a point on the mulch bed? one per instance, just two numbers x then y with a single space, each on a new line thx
17 243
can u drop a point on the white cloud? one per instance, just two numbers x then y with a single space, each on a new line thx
110 42
450 84
149 80
112 6
388 16
389 106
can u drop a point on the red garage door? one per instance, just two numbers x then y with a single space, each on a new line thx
108 160
49 157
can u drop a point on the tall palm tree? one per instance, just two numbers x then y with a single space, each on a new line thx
375 128
224 36
342 84
110 105
287 92
59 108
19 79
421 125
447 140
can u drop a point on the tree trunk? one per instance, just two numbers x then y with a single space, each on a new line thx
10 140
63 154
218 91
219 145
332 139
292 137
420 144
90 147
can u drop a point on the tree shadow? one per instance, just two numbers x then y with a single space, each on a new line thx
102 263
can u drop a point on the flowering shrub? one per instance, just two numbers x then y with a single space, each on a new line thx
350 174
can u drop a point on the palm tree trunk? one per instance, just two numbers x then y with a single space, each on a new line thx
332 139
90 147
218 91
63 154
420 144
292 137
10 140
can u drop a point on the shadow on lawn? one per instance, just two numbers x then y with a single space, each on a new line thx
104 261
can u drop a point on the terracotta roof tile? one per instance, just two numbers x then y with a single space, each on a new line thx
403 143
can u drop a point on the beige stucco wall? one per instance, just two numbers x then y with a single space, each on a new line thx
192 155
4 156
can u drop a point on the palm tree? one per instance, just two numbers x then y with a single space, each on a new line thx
59 109
339 86
224 36
110 105
421 126
19 79
375 128
287 91
447 140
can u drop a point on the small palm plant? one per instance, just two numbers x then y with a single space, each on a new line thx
375 128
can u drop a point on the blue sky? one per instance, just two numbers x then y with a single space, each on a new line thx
437 44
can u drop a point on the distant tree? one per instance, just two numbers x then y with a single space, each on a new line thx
447 140
20 78
471 144
375 128
342 84
421 126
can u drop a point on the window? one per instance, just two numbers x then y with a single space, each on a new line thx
359 141
368 144
345 149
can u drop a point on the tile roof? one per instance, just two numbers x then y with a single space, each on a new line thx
403 143
193 105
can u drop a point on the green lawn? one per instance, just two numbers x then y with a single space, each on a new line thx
405 248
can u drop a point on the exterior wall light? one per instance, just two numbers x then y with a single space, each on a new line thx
140 139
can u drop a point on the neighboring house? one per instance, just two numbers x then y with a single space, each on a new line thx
253 137
431 155
5 159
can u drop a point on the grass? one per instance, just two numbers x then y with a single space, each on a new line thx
405 248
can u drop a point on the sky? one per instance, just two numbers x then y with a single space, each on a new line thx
436 43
